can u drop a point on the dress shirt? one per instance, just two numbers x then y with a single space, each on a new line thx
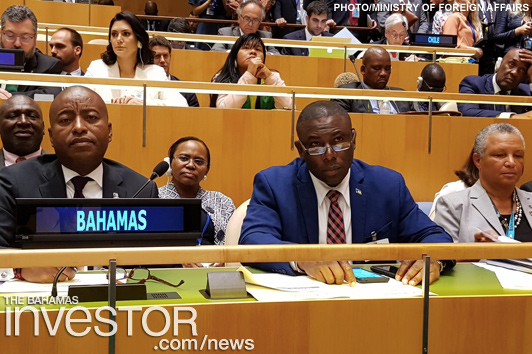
324 203
308 35
93 189
497 90
375 104
76 72
10 159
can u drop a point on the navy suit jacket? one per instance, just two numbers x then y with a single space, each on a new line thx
191 98
484 85
283 209
300 36
42 177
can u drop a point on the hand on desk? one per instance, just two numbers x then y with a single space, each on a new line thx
47 275
329 272
411 272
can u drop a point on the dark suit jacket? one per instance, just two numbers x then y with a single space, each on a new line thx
484 85
191 98
284 9
160 26
301 36
235 32
505 25
364 106
42 64
283 209
42 177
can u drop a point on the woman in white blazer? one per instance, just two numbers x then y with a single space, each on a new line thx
128 56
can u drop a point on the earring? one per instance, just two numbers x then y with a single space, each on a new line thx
205 177
139 45
236 64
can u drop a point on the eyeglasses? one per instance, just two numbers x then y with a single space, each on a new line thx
24 38
186 159
435 89
320 150
141 275
253 21
396 35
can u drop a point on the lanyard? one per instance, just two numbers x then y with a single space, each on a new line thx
510 232
473 30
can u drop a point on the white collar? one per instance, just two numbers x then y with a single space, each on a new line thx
496 88
309 35
96 174
322 188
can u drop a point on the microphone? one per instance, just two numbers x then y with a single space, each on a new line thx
158 171
352 59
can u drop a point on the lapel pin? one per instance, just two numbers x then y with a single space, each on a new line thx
358 191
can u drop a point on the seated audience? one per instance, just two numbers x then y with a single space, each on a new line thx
250 15
396 33
150 9
210 9
180 25
246 64
511 27
80 133
327 197
376 69
128 56
493 205
432 79
465 23
316 23
162 56
362 18
507 81
19 31
190 163
21 130
421 25
66 45
468 176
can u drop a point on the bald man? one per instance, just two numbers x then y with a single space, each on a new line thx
432 79
376 69
80 133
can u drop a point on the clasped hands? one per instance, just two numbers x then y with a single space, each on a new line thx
336 272
258 69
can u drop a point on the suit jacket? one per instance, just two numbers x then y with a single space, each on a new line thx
42 177
364 106
465 213
160 25
286 9
235 32
301 36
421 25
484 85
191 98
41 64
3 159
283 209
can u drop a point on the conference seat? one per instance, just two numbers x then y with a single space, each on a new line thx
232 234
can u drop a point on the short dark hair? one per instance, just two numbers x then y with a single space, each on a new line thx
179 25
19 13
320 109
432 69
75 38
144 54
160 41
184 139
317 8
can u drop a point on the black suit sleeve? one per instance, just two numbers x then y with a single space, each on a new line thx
7 209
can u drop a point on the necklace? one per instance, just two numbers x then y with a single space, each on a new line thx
517 216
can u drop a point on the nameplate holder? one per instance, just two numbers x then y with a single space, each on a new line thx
94 293
226 285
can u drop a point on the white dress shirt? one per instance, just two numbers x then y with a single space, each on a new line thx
93 189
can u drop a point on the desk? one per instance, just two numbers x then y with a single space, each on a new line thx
471 315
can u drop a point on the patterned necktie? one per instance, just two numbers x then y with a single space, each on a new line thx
20 159
335 222
354 15
79 183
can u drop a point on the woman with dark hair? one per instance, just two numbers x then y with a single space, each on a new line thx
128 56
190 161
246 65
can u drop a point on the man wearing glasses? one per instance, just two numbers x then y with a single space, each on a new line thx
432 79
327 197
19 31
507 81
250 14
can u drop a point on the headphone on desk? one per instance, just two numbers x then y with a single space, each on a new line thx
419 82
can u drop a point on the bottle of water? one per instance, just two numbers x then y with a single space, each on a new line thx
384 107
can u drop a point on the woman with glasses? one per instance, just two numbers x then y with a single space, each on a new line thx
465 24
246 65
128 56
190 163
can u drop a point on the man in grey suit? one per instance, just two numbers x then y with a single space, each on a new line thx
376 69
250 14
80 133
493 206
21 130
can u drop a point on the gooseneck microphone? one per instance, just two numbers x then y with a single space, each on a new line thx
367 105
158 171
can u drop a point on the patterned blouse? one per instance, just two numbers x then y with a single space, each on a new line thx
218 206
439 18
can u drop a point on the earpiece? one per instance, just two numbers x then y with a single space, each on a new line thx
169 171
139 45
419 82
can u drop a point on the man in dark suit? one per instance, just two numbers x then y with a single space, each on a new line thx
507 81
80 133
162 56
66 45
316 22
376 69
150 9
250 14
19 31
21 130
327 197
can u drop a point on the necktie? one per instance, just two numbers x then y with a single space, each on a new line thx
501 107
20 159
335 222
79 183
354 15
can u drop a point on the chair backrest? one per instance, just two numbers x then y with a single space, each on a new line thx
449 106
234 226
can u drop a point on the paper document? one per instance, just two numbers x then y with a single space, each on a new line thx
21 286
509 279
